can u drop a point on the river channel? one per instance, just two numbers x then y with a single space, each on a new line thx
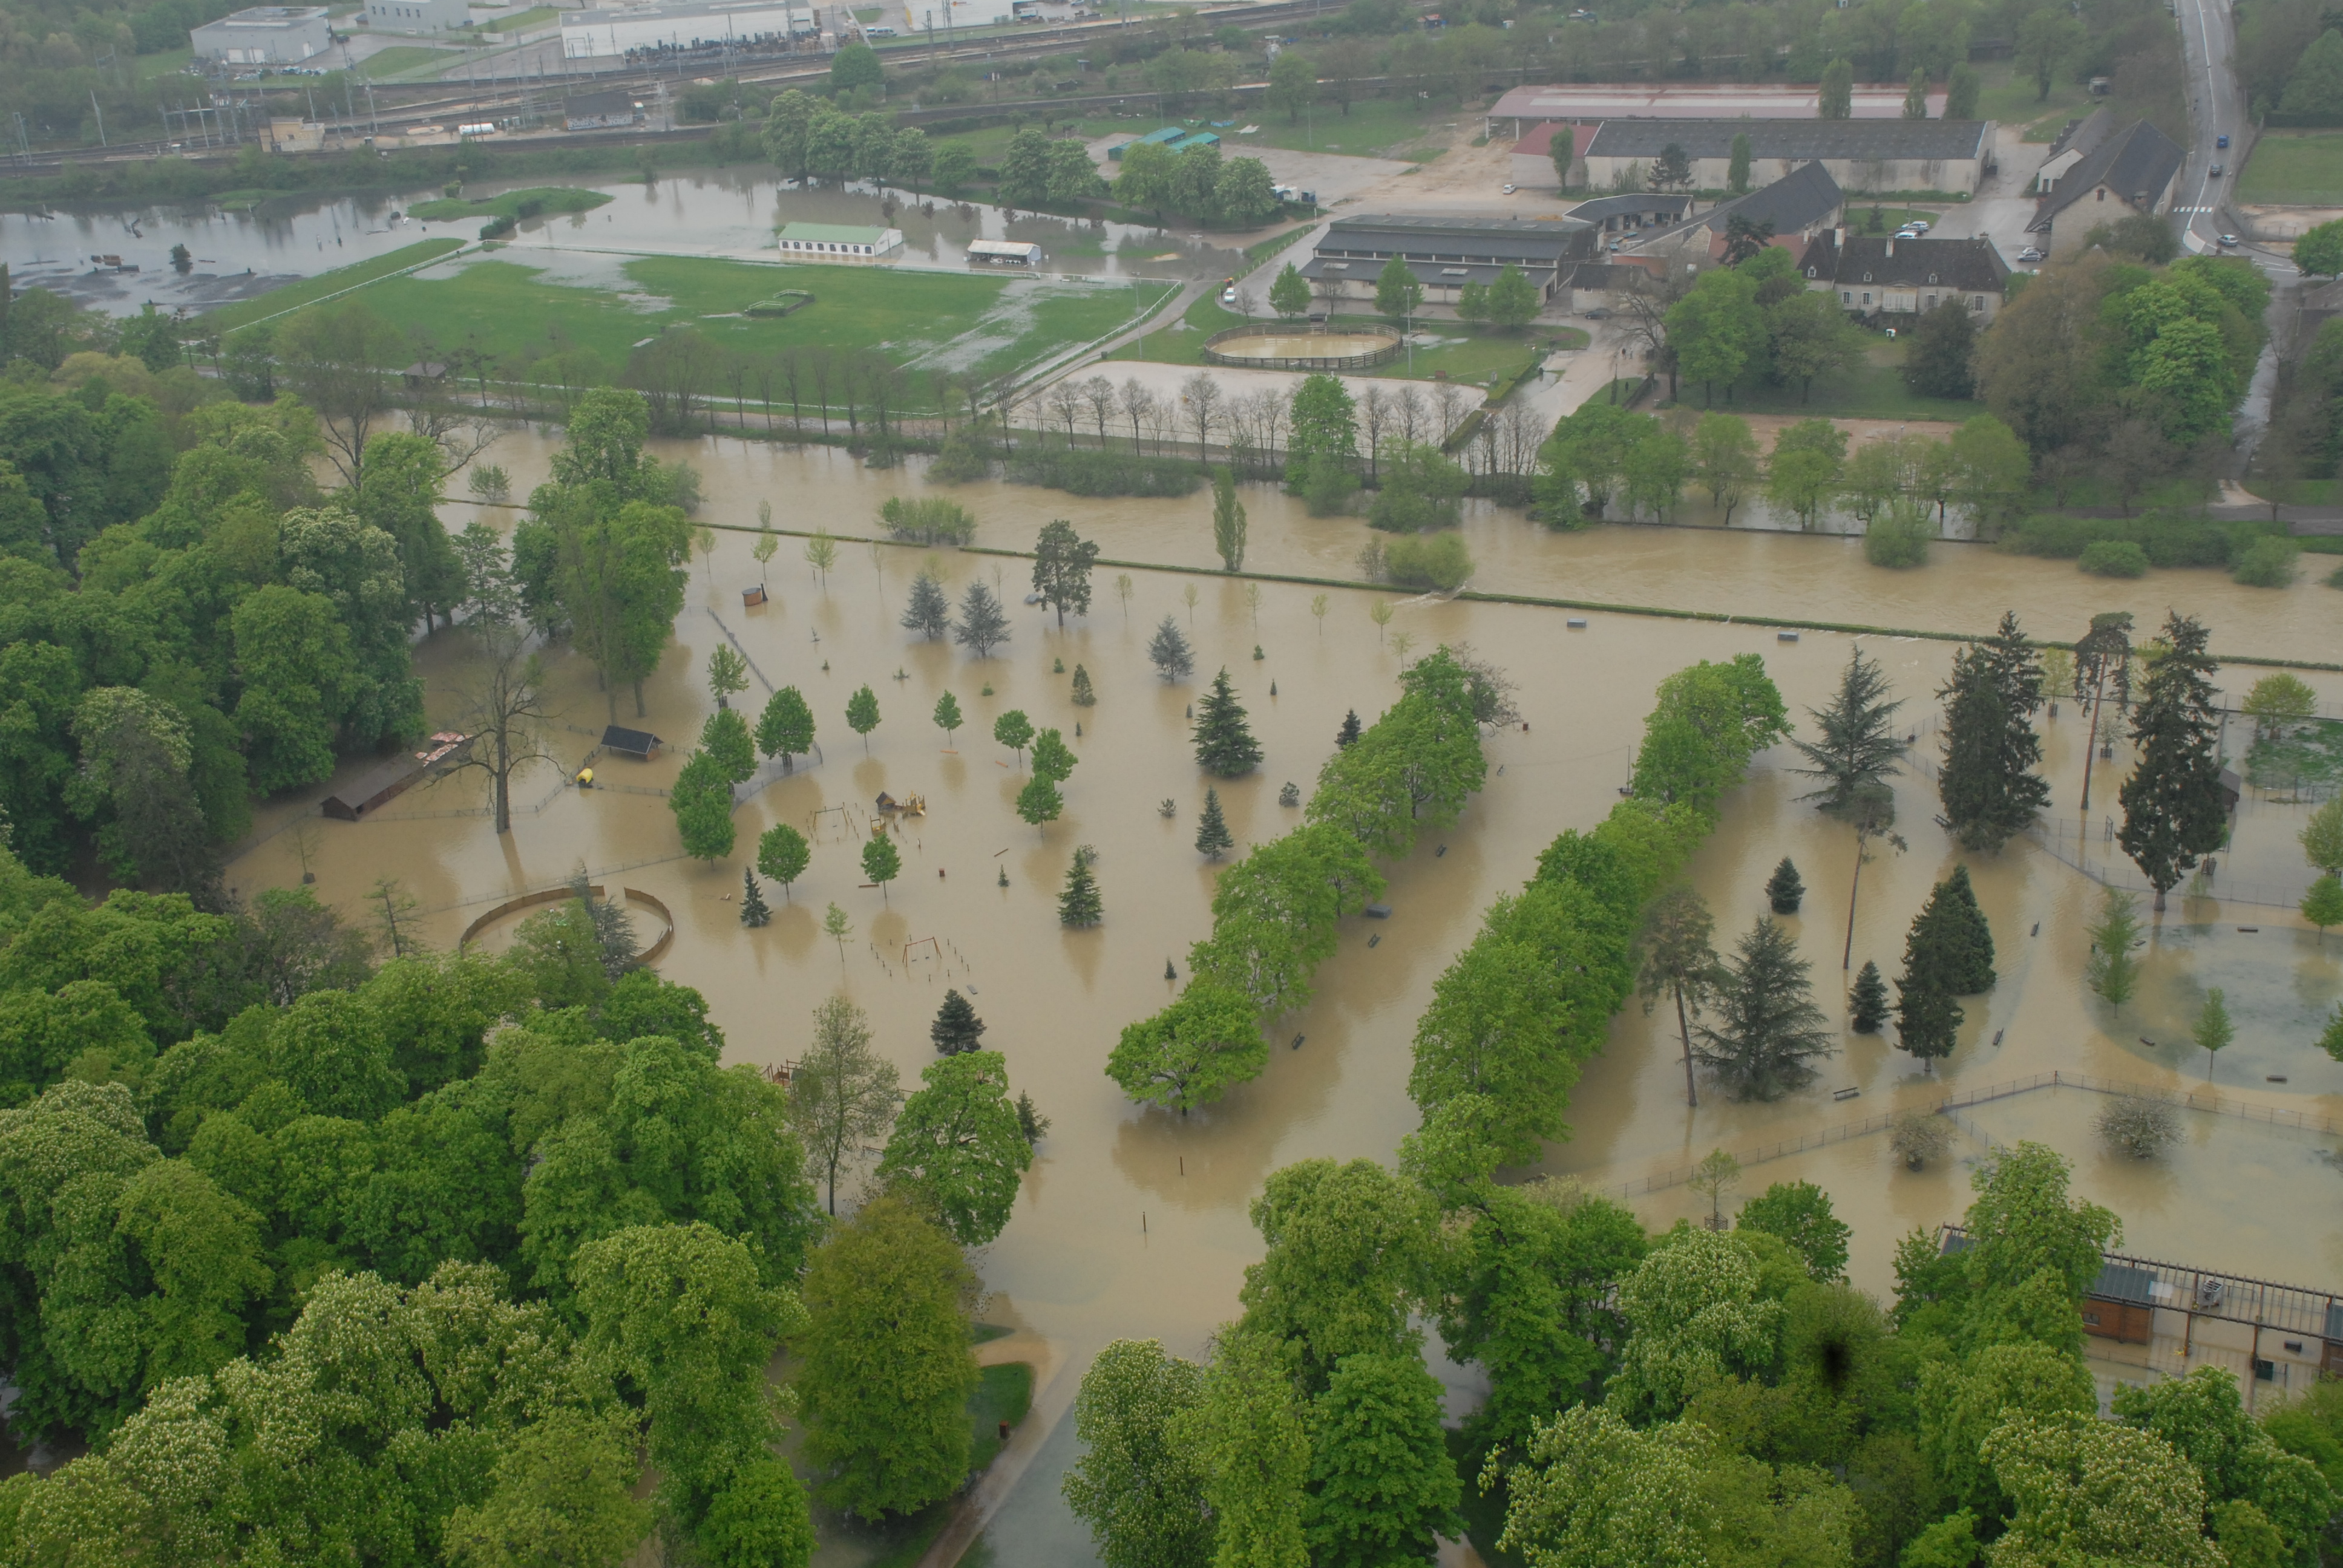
1132 1222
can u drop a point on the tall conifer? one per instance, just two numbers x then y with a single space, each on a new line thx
1989 784
1224 742
2175 810
1213 836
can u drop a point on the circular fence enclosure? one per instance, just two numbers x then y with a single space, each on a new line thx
1295 345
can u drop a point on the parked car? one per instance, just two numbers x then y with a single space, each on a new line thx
1228 296
1509 190
2229 241
1907 233
1597 314
2031 252
1919 223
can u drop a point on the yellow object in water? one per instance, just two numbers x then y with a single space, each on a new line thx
586 778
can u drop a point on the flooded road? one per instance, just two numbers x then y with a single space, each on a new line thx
1133 1222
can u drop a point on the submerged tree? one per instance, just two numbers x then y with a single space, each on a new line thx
1768 1028
2102 660
1857 748
1168 651
1062 568
1680 963
984 625
928 613
1224 742
1927 1018
785 728
1228 520
1193 1052
2175 810
753 909
842 1093
1078 905
1784 890
955 1027
958 1144
783 854
1867 1002
2111 971
1988 783
1212 837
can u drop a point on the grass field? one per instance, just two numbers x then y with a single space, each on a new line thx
1874 391
2007 95
2300 168
403 57
549 198
1461 353
513 309
535 16
149 66
294 295
1374 128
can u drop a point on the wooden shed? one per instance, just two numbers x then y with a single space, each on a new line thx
640 744
393 777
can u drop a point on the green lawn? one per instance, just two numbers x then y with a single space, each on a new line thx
510 308
1004 1393
228 316
534 17
149 66
548 198
1463 353
2007 95
1375 127
1874 391
2299 167
403 57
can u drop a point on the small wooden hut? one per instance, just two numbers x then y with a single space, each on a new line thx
638 744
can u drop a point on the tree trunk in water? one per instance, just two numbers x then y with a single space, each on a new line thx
1692 1095
1846 959
640 710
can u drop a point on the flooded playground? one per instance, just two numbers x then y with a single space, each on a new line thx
1132 1222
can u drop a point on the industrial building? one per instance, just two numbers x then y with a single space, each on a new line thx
1591 103
600 110
1950 155
685 25
421 16
2131 171
838 242
1875 274
264 36
1445 253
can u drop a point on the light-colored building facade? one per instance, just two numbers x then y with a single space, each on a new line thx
1862 156
1591 103
424 18
2131 172
838 242
264 36
1445 253
687 24
1874 274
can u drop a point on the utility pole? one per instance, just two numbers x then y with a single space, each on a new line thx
101 116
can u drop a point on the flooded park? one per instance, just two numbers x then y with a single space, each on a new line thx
1132 1222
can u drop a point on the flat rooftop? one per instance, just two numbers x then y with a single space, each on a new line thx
270 16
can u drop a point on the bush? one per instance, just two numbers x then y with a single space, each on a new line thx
2170 537
1094 473
1919 1137
1434 561
928 520
2112 559
2267 562
2139 1126
959 460
1898 537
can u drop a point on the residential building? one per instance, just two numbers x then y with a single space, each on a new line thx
600 111
1874 274
420 16
1591 103
1445 253
838 242
264 36
2080 138
1792 210
1633 213
1861 155
2130 172
678 25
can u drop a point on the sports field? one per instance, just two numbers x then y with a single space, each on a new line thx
2295 168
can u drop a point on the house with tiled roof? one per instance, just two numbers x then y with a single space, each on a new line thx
1873 275
2133 171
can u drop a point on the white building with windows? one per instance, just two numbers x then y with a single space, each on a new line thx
681 24
428 18
1873 275
838 242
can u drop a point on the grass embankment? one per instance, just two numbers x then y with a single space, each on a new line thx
295 295
2007 95
2295 168
401 58
508 307
1004 1392
1457 352
546 200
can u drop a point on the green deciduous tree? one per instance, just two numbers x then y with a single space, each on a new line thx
1289 295
783 854
2112 970
1193 1052
2086 1489
1039 803
948 716
785 728
1014 731
1799 1213
1695 1311
2322 837
1944 343
1138 1484
1725 456
842 1094
1252 1433
725 739
1398 292
1381 1487
881 863
958 1148
701 799
1062 568
1228 520
862 715
1838 102
1767 1027
1680 962
887 1363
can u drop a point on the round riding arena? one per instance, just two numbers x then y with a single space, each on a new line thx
1287 345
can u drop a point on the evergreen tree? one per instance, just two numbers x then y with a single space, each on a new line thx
955 1027
1213 836
1988 785
1768 1028
929 611
753 911
1224 742
1347 737
2175 811
1927 1018
1168 650
1968 937
1858 747
1029 1120
862 715
1783 890
1078 904
1084 697
983 625
1867 1005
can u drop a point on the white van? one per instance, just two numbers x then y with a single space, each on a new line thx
878 32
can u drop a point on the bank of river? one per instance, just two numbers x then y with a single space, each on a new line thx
1133 1222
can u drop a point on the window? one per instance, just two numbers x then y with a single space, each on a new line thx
1867 277
2101 195
1810 272
1866 297
1845 297
1929 303
1976 302
1932 278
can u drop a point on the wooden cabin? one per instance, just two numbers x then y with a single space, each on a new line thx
640 744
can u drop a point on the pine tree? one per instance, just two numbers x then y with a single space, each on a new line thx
2112 970
955 1027
1029 1120
753 911
983 625
2175 811
1168 650
1078 904
1927 1018
1858 747
1968 937
1767 1026
1989 784
1783 890
929 611
1868 1006
1083 696
1224 742
1212 837
1348 736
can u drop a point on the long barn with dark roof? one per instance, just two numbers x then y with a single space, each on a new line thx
1950 155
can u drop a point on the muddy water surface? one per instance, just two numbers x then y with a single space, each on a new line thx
1133 1222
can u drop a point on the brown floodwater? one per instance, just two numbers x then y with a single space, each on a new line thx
1132 1222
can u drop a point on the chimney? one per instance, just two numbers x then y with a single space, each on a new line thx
1891 245
1838 237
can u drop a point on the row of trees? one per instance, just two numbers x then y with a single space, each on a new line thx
1275 911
